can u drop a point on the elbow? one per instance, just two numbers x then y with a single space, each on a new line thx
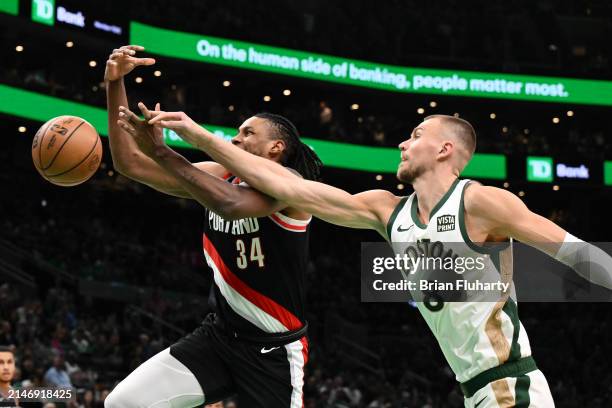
126 166
227 214
120 167
226 208
124 170
231 212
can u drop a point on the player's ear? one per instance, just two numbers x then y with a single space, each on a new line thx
277 147
446 149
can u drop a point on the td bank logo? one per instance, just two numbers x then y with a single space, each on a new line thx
540 169
43 11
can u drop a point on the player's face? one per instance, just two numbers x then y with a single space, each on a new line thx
253 136
419 152
7 366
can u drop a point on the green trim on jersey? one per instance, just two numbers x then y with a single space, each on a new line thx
511 309
521 392
496 261
478 248
396 211
510 369
414 211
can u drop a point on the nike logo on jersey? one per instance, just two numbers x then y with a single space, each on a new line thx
266 350
480 402
400 229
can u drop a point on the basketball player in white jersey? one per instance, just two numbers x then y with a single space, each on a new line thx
489 351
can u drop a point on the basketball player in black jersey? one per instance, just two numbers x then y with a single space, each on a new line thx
254 343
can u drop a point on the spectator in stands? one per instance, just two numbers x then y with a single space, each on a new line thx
88 400
80 342
6 335
56 375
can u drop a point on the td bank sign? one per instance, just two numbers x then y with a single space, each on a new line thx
43 11
540 169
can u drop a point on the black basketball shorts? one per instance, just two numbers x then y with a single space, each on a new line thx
261 375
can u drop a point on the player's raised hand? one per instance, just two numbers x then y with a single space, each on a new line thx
122 61
182 124
147 137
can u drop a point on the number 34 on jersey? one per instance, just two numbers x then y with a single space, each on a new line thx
252 254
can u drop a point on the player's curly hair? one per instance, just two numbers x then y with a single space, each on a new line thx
297 155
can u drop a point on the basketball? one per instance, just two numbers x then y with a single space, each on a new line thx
66 150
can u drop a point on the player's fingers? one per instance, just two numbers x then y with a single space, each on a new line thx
126 126
143 61
157 106
134 47
171 124
127 51
123 116
161 115
155 116
116 55
145 111
129 115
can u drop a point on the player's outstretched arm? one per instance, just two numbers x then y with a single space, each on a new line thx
231 201
124 151
368 210
128 159
503 214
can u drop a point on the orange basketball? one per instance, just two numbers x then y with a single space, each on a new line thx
66 150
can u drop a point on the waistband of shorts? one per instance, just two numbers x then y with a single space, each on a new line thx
265 339
511 369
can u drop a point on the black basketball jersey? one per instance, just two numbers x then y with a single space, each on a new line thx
259 267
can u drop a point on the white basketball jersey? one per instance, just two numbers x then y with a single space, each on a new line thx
477 332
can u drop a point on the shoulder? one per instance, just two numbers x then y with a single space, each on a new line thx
382 202
379 200
384 196
488 201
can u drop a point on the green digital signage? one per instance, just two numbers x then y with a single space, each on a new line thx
540 169
244 55
43 11
608 173
9 7
35 106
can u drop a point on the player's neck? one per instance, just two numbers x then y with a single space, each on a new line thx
429 189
